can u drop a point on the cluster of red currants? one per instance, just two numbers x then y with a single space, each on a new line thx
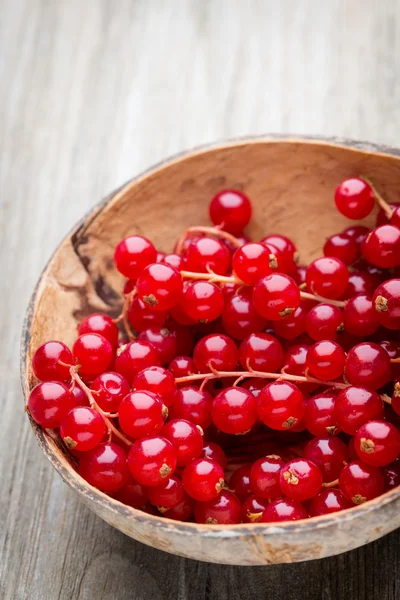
168 407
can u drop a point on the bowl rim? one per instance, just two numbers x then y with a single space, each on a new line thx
83 488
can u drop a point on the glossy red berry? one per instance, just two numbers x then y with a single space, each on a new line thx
194 405
330 455
217 351
253 508
231 209
319 414
168 494
203 479
49 402
359 316
386 303
174 260
105 467
160 286
261 352
157 380
203 301
251 262
151 460
234 410
324 321
276 296
225 509
287 252
359 482
239 482
109 388
391 474
162 339
207 254
214 452
327 277
377 443
360 282
186 438
132 493
141 316
93 353
382 217
182 366
101 324
368 365
265 476
382 247
82 429
79 396
325 360
354 198
327 502
135 357
343 247
281 405
283 509
300 479
294 363
133 254
182 511
141 413
355 406
357 232
46 362
239 317
293 325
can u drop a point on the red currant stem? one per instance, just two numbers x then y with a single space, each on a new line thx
378 198
331 484
211 277
127 301
339 303
214 231
109 424
259 375
386 398
395 360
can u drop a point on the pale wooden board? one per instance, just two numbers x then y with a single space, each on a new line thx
92 92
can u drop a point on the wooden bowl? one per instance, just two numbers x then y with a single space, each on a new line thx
291 183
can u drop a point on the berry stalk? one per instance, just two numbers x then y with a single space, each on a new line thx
214 231
378 197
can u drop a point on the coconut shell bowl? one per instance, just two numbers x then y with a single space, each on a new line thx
291 184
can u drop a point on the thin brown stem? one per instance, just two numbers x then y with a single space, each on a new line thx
214 231
379 198
306 295
331 484
386 398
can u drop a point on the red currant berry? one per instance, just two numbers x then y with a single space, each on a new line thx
325 360
160 286
387 304
141 413
265 475
357 233
231 209
343 247
254 386
225 509
276 296
182 366
105 467
194 405
329 454
135 357
292 326
261 352
251 262
382 247
132 494
360 282
109 389
359 482
133 254
283 509
281 405
319 414
354 198
368 365
377 443
93 353
355 406
234 410
214 452
239 482
82 429
253 508
157 380
359 316
162 340
207 254
46 362
239 316
203 479
182 511
187 439
391 474
79 396
382 217
299 275
173 260
151 460
328 502
101 324
327 277
168 494
323 322
287 252
203 301
215 351
300 479
295 364
49 402
141 316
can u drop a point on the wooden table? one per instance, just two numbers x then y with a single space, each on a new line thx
92 92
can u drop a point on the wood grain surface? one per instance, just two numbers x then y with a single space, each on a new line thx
92 92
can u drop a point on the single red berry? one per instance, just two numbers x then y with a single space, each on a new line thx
93 353
133 254
323 322
132 493
319 414
325 360
187 439
377 443
207 254
357 232
327 277
276 296
231 209
234 410
261 352
294 363
386 302
283 509
109 389
162 340
182 511
49 402
182 366
253 508
359 316
151 460
265 475
300 479
343 247
382 217
327 502
173 260
141 316
391 474
293 325
203 301
241 238
79 396
101 324
203 479
141 413
215 351
286 249
157 380
359 482
355 406
105 467
52 362
354 198
281 405
214 452
392 347
225 509
135 357
360 282
251 262
239 482
239 317
254 386
168 494
368 365
299 275
82 429
194 405
330 455
160 286
382 247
